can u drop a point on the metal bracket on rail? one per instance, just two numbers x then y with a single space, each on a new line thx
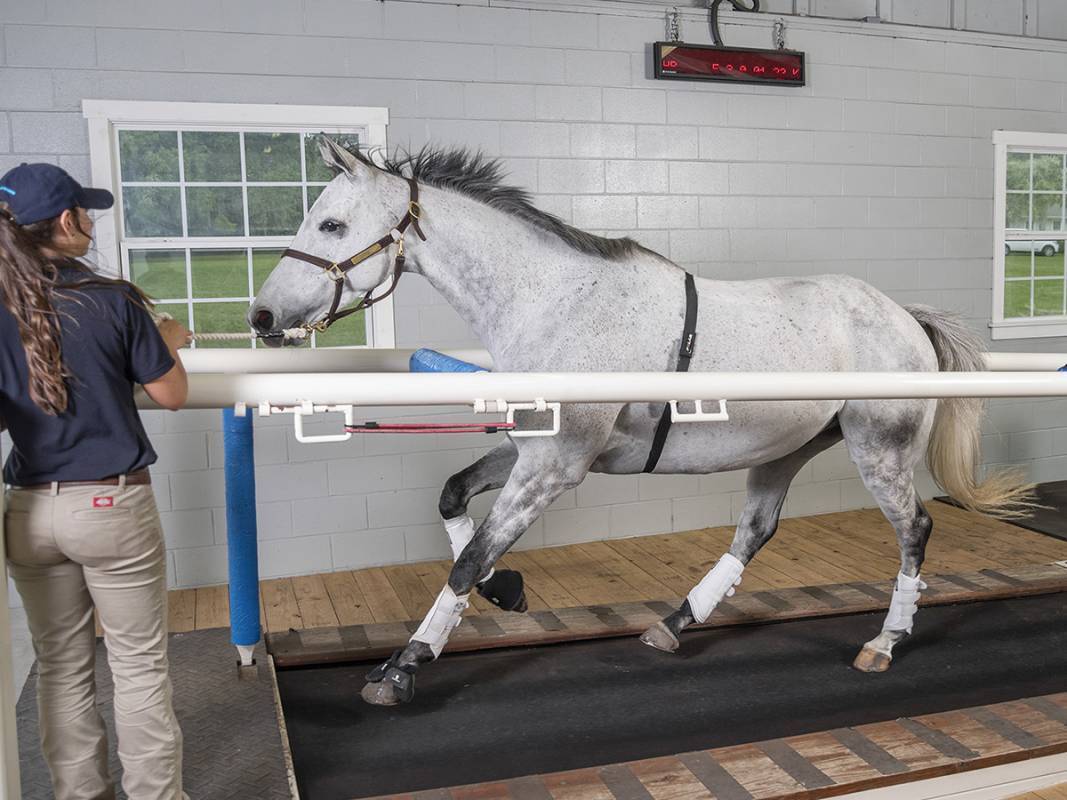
503 406
307 409
699 414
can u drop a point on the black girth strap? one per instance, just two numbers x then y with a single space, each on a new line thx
685 355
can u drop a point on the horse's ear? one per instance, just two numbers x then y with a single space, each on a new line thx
340 159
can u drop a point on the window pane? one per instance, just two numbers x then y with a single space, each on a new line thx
1018 211
149 155
1017 259
1048 298
1019 171
1048 212
272 156
152 210
180 311
160 273
316 167
274 210
215 210
211 156
1048 172
1017 299
219 273
221 318
263 263
313 195
349 331
1048 258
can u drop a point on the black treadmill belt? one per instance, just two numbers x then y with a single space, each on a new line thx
499 714
1051 521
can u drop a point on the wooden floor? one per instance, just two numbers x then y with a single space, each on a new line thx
830 548
1051 793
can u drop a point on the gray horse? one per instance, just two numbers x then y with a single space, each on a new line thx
544 296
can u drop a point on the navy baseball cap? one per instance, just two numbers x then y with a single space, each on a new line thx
34 192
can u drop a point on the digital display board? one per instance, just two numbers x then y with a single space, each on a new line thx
679 61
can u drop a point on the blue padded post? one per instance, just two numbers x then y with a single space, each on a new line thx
425 360
241 532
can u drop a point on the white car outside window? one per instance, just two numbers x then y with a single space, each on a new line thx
1041 247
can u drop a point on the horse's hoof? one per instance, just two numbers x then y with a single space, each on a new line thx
382 693
871 661
660 637
504 589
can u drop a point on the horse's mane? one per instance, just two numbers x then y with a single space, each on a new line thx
482 178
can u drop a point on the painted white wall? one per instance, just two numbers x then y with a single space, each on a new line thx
881 168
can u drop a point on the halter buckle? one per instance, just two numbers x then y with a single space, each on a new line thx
414 209
336 273
318 327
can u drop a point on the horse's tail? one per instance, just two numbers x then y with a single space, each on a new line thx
954 451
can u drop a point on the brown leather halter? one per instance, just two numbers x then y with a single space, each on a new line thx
338 270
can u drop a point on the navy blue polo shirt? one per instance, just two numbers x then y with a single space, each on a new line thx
110 343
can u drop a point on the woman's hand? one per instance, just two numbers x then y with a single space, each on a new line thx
175 335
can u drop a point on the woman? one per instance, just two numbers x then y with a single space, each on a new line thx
81 525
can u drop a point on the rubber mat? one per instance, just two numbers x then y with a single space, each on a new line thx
1051 521
232 744
500 714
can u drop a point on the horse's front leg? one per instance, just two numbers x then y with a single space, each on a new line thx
503 588
537 479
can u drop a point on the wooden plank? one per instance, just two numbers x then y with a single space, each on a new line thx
384 603
316 608
181 611
413 594
572 570
578 784
630 549
667 778
503 629
348 602
646 585
754 770
279 600
212 607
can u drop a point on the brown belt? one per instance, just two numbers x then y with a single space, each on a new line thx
138 478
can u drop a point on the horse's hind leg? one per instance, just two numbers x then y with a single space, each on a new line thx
886 439
503 588
767 487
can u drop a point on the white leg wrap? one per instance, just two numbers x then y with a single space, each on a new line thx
460 531
904 604
713 587
441 620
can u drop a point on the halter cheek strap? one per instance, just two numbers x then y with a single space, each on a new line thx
339 269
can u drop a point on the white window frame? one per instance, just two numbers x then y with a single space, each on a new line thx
1030 327
104 116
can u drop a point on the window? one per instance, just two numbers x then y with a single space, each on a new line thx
208 195
1030 232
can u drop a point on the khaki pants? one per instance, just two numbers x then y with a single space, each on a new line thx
71 549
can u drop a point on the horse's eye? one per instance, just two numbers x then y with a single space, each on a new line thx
331 226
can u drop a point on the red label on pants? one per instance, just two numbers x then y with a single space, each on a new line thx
103 502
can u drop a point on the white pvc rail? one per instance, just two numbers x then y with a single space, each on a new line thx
213 390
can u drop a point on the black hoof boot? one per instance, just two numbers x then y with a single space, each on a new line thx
504 589
389 684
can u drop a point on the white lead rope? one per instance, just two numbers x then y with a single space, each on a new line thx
291 334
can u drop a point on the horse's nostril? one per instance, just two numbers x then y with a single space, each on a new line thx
264 320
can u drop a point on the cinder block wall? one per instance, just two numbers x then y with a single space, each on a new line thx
880 168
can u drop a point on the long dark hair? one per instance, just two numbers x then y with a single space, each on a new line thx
29 281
